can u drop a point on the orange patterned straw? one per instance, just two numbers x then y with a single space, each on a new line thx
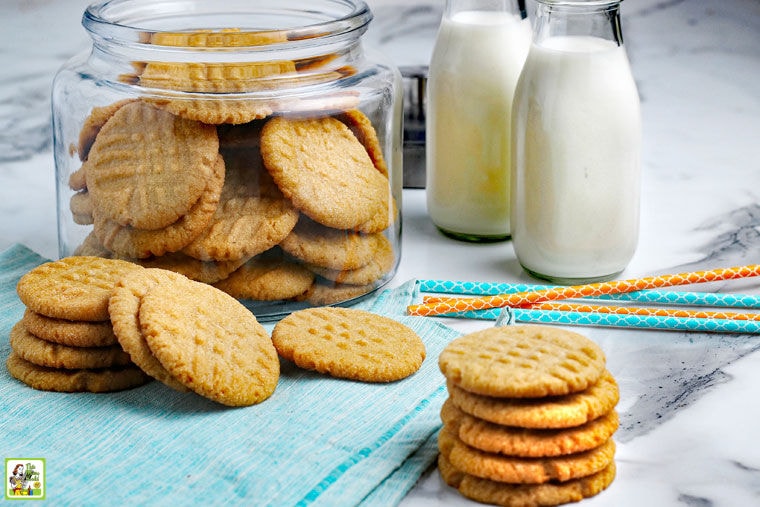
454 305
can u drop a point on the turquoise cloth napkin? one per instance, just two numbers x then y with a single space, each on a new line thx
316 441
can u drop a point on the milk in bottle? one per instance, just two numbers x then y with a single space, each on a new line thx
478 55
576 147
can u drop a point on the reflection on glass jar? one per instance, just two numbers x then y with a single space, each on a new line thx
254 147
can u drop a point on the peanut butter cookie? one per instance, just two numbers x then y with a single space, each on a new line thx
147 167
101 380
551 412
349 343
73 288
209 342
522 361
324 170
524 495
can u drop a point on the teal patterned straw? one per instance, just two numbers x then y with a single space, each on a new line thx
508 316
644 296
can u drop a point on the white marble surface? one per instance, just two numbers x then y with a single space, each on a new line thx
689 401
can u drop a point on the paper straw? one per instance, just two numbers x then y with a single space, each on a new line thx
714 299
556 317
633 321
580 291
631 310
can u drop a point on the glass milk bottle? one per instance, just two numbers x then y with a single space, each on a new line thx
576 146
477 58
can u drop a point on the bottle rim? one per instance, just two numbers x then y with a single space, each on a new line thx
133 22
580 3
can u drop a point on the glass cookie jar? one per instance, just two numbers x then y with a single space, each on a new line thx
254 146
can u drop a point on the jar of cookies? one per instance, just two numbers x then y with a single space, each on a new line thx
254 146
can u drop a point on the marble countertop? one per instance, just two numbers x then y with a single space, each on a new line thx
689 430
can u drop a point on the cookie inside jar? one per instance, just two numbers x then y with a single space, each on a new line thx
252 147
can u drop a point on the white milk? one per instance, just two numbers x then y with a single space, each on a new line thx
576 191
473 72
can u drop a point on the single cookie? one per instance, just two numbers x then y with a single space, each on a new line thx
209 342
147 168
54 355
101 380
131 242
124 308
549 412
325 292
527 443
324 170
330 248
380 264
522 361
224 38
349 343
267 278
69 332
500 468
524 495
362 128
252 215
73 288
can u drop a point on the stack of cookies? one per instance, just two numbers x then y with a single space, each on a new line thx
530 416
98 325
65 341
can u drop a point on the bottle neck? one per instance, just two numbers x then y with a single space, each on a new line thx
515 7
569 18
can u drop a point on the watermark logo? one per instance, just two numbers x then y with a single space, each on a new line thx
24 478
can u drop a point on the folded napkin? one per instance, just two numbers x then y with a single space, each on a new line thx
316 441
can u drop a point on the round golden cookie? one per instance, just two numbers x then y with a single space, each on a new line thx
147 167
502 468
523 495
553 412
200 271
252 215
379 265
522 361
330 248
127 241
527 443
54 355
362 128
69 332
100 380
349 343
324 170
124 308
209 342
73 288
266 279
